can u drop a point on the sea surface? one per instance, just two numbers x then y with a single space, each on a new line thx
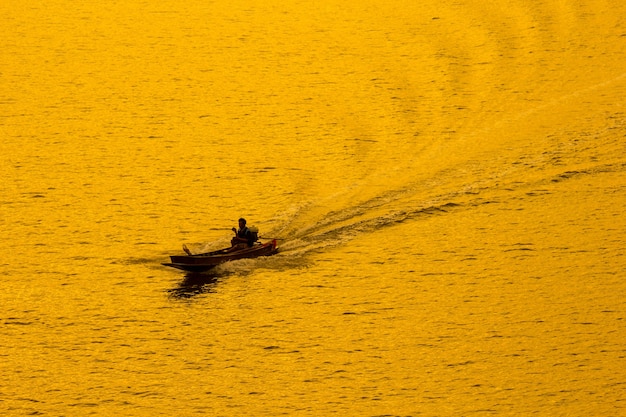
447 179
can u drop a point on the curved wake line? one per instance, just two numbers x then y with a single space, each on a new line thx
340 227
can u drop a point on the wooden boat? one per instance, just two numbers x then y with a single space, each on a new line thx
205 261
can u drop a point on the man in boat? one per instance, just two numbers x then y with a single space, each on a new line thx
243 239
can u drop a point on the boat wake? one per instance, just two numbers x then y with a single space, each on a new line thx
308 234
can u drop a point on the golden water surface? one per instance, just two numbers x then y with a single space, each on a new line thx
447 178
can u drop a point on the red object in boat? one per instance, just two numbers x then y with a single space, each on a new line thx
205 261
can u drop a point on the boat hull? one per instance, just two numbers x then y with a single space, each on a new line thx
206 261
